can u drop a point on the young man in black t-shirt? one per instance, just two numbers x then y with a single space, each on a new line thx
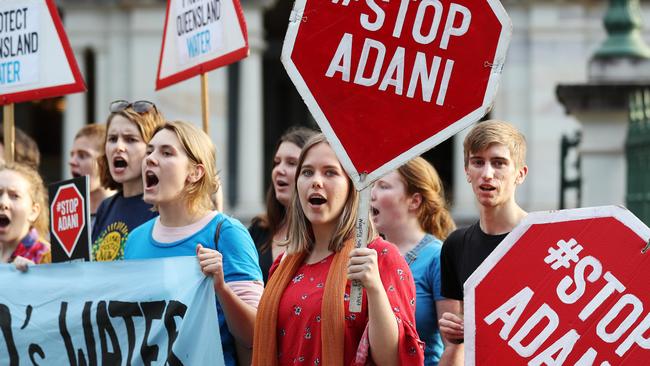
495 164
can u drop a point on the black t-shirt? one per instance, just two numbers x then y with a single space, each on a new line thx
463 251
260 236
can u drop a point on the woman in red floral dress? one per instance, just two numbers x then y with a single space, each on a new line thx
303 317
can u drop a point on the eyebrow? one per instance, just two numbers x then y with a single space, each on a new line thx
163 146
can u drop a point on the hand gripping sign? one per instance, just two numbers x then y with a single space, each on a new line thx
564 288
389 80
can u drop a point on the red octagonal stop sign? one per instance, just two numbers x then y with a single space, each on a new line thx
68 216
564 288
388 80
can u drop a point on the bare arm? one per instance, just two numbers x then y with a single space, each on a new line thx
240 316
383 333
453 353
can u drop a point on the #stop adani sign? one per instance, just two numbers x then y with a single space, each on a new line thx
388 80
69 213
564 288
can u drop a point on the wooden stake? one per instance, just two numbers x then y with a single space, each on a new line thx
9 131
356 289
205 107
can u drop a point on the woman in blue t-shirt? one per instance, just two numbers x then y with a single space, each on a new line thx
129 128
180 175
409 209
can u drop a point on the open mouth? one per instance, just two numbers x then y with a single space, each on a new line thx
487 188
317 200
281 183
150 179
374 211
120 163
76 175
4 221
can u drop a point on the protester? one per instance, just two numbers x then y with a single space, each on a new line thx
25 149
180 175
495 164
130 126
409 209
23 216
304 313
270 228
86 150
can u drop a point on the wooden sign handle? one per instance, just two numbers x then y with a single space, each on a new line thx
9 132
205 106
356 289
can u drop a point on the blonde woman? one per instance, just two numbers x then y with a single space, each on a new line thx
180 175
23 216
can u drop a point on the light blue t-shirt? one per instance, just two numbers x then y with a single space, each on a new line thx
240 261
426 273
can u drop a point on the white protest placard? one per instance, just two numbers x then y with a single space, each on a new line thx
36 60
199 36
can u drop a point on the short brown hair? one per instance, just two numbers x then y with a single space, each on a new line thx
146 123
300 235
200 150
95 132
491 132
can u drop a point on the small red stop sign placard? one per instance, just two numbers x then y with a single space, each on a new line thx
68 216
564 288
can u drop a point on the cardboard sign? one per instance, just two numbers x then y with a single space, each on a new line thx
35 57
389 80
70 220
564 288
199 36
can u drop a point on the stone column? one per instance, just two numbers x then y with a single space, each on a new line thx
73 119
250 144
618 68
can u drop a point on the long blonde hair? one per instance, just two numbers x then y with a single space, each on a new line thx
421 177
37 193
300 236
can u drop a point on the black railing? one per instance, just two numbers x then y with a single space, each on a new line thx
568 144
637 149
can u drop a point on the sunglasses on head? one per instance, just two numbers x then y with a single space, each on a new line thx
140 106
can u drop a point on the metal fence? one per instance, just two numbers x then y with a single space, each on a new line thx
638 155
